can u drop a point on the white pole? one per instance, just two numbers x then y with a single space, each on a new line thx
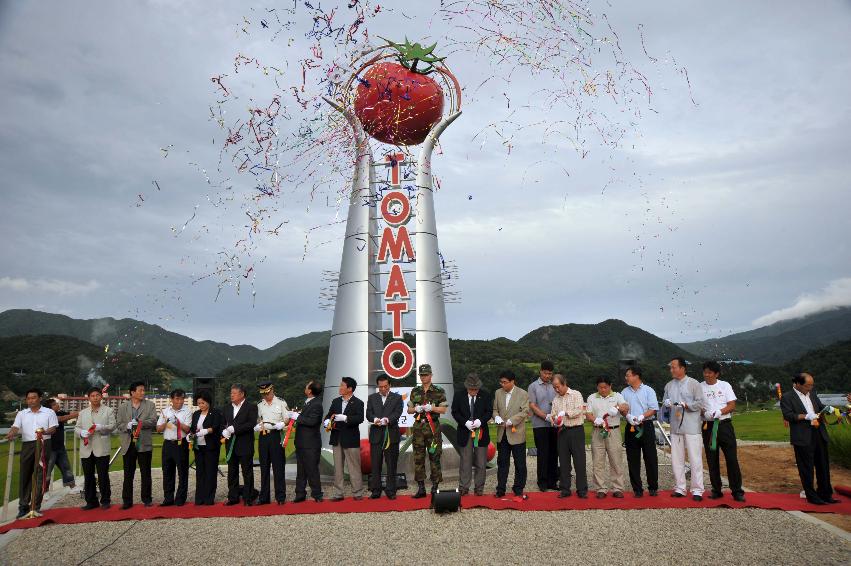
10 466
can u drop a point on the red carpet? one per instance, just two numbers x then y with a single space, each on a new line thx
536 502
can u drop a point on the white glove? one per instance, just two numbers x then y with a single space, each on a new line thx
418 408
202 432
385 421
84 434
477 423
98 426
829 410
667 403
811 416
630 418
509 423
598 421
231 429
613 412
427 407
469 425
294 415
226 433
497 420
708 415
548 418
561 414
132 424
341 418
639 419
325 423
279 426
717 414
161 420
257 427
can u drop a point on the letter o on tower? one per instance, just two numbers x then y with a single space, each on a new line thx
401 217
394 371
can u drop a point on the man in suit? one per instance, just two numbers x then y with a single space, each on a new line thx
383 410
808 436
240 418
136 420
308 444
510 409
473 411
95 424
343 420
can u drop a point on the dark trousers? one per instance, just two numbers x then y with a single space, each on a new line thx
505 453
547 445
635 449
390 457
246 464
814 455
307 472
99 464
206 473
175 459
571 444
131 458
272 459
29 465
59 458
725 441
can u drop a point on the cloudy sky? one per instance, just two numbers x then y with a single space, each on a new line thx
724 208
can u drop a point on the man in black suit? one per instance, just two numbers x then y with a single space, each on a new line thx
240 418
343 420
308 444
383 410
472 412
808 435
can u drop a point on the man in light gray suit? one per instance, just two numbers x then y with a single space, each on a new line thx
136 420
510 410
95 424
383 409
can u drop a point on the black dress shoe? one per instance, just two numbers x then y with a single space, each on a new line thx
105 506
281 502
653 493
166 503
740 497
639 493
89 506
831 500
375 495
391 496
149 503
299 499
262 502
676 494
601 495
553 486
716 495
697 497
499 494
230 502
357 497
179 503
319 499
582 494
248 503
618 495
479 492
563 494
543 488
816 501
463 492
337 498
126 506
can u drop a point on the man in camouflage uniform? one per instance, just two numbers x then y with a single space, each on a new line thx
427 400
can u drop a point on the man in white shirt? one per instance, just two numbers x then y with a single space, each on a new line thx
604 410
273 415
174 425
718 433
35 424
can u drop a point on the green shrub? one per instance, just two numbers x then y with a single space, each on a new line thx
840 445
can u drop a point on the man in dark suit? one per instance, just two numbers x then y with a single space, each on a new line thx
383 410
343 420
240 418
808 435
472 412
308 444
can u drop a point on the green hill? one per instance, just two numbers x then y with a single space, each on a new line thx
62 364
781 342
830 366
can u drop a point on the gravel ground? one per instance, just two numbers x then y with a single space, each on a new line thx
750 536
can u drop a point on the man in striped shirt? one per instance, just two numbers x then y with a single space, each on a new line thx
567 416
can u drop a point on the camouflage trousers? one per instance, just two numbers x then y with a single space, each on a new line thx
422 440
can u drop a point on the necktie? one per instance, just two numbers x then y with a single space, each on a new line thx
472 406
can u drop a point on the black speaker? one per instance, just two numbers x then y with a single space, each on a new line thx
446 501
207 384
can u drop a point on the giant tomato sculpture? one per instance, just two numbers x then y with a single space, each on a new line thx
396 102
